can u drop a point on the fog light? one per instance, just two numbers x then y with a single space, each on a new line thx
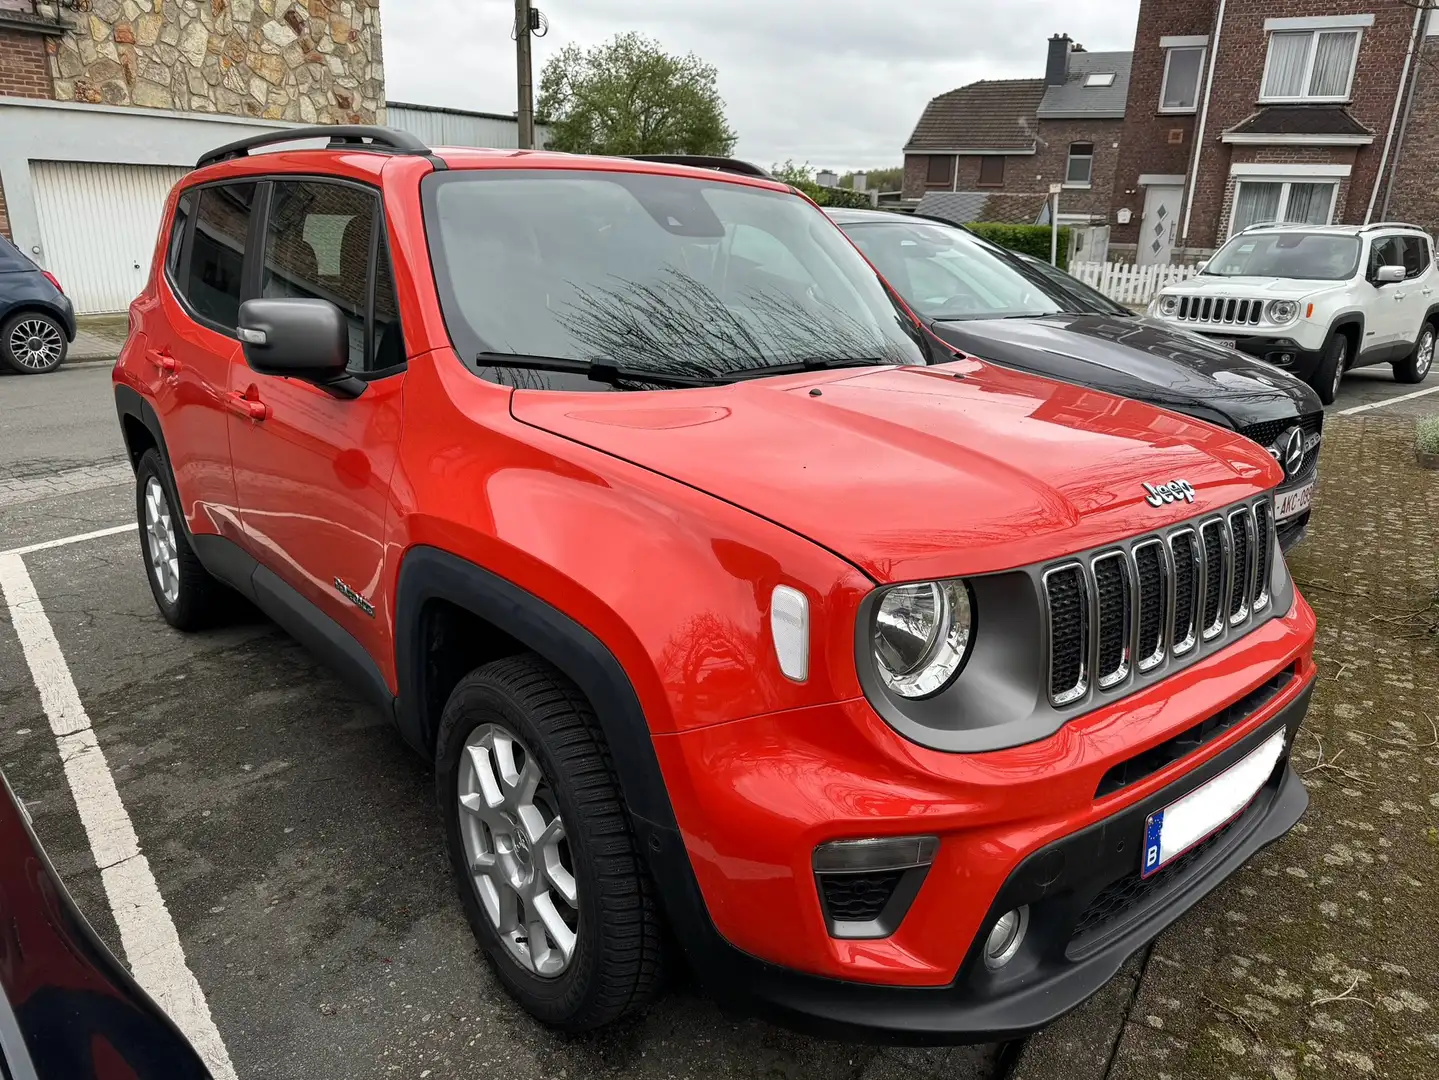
1286 358
1005 938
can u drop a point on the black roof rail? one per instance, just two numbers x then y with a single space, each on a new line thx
1393 225
704 161
340 136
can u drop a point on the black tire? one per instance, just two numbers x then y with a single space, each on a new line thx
617 960
197 600
1330 372
1416 366
33 343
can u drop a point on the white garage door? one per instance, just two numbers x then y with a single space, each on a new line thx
98 226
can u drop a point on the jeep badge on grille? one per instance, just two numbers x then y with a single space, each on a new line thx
1170 492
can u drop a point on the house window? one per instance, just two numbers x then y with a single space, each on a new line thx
1261 201
940 170
1099 78
991 171
1081 165
1310 65
1180 92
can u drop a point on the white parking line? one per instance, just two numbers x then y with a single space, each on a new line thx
68 540
147 933
1388 401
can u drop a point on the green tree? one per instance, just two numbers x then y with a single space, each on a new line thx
792 172
878 179
629 96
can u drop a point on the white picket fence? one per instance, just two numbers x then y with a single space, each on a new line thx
1127 283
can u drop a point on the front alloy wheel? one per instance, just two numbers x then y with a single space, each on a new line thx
515 844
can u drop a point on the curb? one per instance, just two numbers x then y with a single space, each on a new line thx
103 362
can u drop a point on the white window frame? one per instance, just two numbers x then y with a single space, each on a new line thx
1099 79
1078 185
1285 183
1183 110
1314 33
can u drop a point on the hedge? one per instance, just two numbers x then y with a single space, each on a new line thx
835 196
1029 239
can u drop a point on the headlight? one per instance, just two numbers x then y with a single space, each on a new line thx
1283 311
1168 305
922 634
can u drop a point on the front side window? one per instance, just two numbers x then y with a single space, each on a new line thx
940 170
1182 68
318 244
214 279
1081 164
1259 202
1308 256
678 276
991 171
1386 251
1313 65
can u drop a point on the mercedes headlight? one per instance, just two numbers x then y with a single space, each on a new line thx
1168 305
922 634
1283 311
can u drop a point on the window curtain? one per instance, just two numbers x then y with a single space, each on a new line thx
1333 59
1181 87
1309 204
1255 203
1288 54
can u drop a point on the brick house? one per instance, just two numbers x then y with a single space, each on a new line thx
990 150
1243 111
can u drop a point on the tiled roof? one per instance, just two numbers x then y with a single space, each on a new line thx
962 207
981 116
1074 99
1300 120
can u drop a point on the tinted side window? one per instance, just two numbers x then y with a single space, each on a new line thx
217 260
11 261
1387 251
318 245
1416 255
177 234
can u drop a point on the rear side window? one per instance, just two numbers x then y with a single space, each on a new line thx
183 210
214 280
11 260
1416 255
321 243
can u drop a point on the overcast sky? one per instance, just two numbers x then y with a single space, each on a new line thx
838 83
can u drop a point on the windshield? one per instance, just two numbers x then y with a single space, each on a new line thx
1310 256
651 273
945 273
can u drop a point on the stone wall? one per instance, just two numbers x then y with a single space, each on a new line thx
314 61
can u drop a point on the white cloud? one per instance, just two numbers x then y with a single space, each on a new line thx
838 83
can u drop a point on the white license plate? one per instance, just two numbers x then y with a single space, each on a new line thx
1227 342
1170 832
1289 503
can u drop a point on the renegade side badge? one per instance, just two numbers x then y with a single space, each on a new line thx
355 598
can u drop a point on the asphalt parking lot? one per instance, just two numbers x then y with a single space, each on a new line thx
293 838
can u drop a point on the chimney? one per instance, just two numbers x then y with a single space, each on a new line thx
1057 70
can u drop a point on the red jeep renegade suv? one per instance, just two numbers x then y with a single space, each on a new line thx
911 697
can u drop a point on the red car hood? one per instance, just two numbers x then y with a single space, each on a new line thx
915 473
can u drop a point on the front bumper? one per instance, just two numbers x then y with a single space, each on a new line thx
1282 352
1033 825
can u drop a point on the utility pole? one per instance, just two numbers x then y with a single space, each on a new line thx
525 78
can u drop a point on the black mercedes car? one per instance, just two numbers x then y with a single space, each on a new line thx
68 1009
1018 311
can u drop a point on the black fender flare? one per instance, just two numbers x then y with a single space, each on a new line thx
130 403
426 574
1348 318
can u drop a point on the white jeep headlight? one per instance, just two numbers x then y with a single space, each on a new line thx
1168 305
1283 311
922 634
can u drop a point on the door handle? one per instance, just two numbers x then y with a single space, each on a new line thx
1400 295
246 407
162 360
1428 292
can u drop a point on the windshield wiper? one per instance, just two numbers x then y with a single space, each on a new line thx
596 370
811 364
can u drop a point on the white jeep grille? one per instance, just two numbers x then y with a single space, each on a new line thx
1219 310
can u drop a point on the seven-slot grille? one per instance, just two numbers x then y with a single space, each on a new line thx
1129 610
1227 311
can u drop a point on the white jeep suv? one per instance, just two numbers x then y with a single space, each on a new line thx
1317 300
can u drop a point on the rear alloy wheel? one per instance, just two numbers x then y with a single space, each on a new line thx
550 872
1330 373
1416 367
32 343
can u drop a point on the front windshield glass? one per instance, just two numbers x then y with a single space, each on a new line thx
1309 256
665 274
945 273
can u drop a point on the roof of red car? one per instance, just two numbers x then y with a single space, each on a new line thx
478 158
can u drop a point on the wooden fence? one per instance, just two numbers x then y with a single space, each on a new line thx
1127 283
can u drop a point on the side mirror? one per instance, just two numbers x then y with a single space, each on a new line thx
299 339
1201 267
1389 275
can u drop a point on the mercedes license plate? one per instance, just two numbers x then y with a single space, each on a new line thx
1289 503
1189 821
